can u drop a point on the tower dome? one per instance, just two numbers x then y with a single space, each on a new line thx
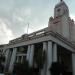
60 4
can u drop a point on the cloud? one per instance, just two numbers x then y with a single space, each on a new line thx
16 14
28 30
5 33
27 11
20 19
72 17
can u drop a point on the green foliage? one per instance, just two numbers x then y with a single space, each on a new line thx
56 68
24 69
21 68
40 58
2 59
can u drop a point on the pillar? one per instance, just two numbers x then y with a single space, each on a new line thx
7 53
49 57
43 71
73 63
28 53
13 58
6 59
54 52
31 56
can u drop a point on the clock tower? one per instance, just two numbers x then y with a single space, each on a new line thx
61 9
60 22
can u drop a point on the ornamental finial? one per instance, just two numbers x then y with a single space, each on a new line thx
61 0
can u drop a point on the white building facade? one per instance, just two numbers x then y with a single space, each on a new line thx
57 40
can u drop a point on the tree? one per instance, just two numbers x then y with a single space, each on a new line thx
57 68
2 60
39 58
23 69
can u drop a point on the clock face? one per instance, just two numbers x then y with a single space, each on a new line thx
59 12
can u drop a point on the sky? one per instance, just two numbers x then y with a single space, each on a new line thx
15 15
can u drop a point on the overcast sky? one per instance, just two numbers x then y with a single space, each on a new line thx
16 14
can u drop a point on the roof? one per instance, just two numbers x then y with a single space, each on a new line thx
40 34
60 4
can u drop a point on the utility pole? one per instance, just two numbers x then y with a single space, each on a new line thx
27 28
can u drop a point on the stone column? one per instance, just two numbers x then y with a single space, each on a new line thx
28 53
54 52
13 58
49 57
6 59
31 56
43 71
7 53
73 63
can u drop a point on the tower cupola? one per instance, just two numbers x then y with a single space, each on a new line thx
60 9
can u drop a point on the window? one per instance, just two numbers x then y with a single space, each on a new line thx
20 59
22 49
